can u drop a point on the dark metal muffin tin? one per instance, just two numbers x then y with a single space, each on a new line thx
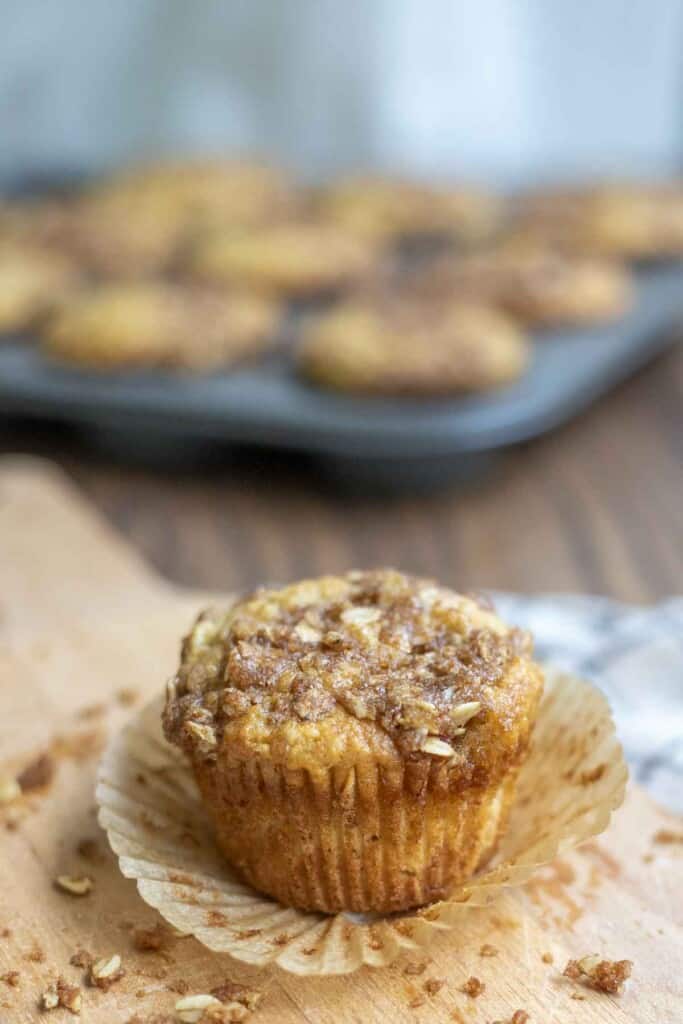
267 404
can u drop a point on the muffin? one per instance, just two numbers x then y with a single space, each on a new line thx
207 193
393 209
32 282
422 349
125 236
540 286
356 739
629 221
39 223
292 260
155 324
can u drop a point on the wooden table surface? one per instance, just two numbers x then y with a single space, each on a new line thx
80 617
594 507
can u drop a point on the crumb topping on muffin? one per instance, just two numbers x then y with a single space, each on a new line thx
409 347
429 668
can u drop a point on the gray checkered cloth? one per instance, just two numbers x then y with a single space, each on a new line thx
635 655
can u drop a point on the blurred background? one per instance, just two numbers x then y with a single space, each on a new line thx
504 93
507 90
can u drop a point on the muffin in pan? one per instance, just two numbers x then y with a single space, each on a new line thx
151 324
35 222
142 222
403 347
394 209
622 220
536 284
207 193
125 237
294 260
356 739
32 282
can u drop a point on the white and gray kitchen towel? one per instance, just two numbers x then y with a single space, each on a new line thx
635 655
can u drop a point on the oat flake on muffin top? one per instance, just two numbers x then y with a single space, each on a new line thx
438 673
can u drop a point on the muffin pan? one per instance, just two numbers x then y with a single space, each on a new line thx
267 405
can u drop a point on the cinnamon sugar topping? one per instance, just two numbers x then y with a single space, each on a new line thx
603 975
473 987
430 667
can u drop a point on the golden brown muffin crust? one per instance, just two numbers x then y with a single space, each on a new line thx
392 208
391 346
290 259
531 281
377 659
161 324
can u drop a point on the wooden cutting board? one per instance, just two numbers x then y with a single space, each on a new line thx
81 620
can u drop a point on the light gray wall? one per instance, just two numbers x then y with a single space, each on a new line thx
495 87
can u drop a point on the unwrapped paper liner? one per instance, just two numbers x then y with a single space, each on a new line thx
149 805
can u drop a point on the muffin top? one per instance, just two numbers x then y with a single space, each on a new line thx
161 324
290 259
403 347
371 665
534 282
393 208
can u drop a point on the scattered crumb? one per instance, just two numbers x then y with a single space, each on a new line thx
519 1017
648 858
191 1009
229 1013
105 972
11 978
416 1002
473 987
75 885
83 959
416 967
6 933
488 950
433 985
69 996
548 958
38 774
232 992
127 697
35 955
49 1000
602 975
667 836
60 993
149 939
578 997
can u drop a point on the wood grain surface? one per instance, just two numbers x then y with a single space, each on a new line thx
594 507
81 617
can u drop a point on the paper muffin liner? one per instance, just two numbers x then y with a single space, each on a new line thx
150 807
371 838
